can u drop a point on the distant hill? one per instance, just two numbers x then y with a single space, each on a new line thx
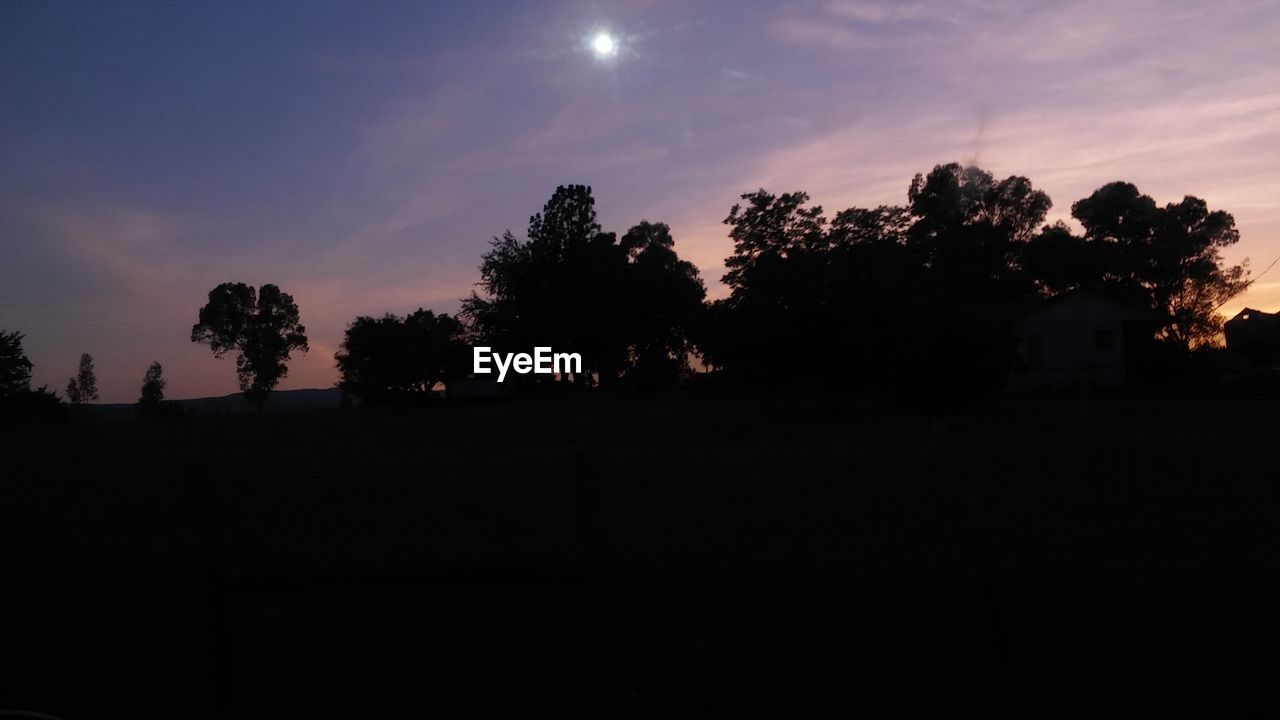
280 401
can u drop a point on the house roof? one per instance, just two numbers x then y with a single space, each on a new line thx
1248 314
1131 309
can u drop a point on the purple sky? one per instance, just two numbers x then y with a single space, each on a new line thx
361 155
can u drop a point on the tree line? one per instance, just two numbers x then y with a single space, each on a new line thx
18 398
912 298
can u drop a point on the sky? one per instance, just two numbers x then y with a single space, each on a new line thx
362 155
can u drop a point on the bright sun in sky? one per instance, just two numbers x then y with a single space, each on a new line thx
603 44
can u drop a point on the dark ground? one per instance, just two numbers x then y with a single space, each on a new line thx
1108 557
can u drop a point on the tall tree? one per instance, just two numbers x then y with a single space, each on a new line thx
83 387
15 368
560 287
776 280
664 302
536 290
625 305
262 327
152 394
566 224
969 229
968 235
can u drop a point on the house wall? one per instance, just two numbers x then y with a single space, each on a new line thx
1079 341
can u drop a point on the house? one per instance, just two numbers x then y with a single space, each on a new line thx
1079 338
1255 335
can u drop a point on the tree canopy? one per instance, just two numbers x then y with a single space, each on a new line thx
1171 256
625 306
391 356
920 295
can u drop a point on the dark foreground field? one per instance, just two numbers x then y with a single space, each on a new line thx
612 557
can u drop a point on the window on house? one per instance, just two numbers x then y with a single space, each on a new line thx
1104 339
1035 352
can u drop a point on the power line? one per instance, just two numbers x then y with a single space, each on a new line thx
1249 284
1264 272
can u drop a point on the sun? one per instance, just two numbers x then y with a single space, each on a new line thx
604 44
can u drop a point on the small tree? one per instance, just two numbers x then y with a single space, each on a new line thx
263 327
83 387
152 389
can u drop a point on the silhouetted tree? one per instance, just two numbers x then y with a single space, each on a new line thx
910 296
541 291
969 229
262 327
873 281
815 297
968 234
775 277
770 228
15 368
597 315
1170 255
575 288
1058 260
664 299
83 387
152 389
18 401
390 356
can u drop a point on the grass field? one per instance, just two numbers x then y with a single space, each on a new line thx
617 557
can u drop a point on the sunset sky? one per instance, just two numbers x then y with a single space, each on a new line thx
361 155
